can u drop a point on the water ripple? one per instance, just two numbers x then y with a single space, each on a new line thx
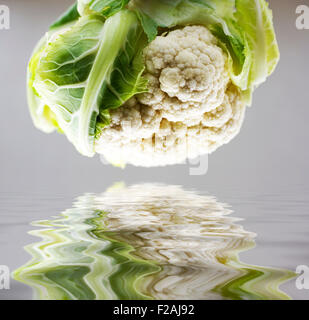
146 241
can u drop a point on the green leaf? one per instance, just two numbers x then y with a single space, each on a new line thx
105 7
167 13
70 16
239 54
95 65
223 8
149 25
42 116
255 19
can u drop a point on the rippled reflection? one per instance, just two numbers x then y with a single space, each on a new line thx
146 241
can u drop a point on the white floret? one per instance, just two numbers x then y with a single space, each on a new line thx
190 109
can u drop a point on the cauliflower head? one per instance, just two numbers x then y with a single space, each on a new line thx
191 107
151 82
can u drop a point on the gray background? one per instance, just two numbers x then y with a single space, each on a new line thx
262 174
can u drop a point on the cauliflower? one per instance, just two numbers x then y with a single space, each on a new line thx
151 82
191 108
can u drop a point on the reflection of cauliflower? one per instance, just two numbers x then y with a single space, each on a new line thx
191 236
192 108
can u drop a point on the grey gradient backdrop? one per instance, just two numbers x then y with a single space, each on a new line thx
270 151
268 160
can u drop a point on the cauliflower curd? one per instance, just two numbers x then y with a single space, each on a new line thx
191 107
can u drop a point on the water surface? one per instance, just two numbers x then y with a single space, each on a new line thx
148 241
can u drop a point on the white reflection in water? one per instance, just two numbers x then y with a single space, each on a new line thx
147 241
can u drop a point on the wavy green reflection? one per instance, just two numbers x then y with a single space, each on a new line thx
146 241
